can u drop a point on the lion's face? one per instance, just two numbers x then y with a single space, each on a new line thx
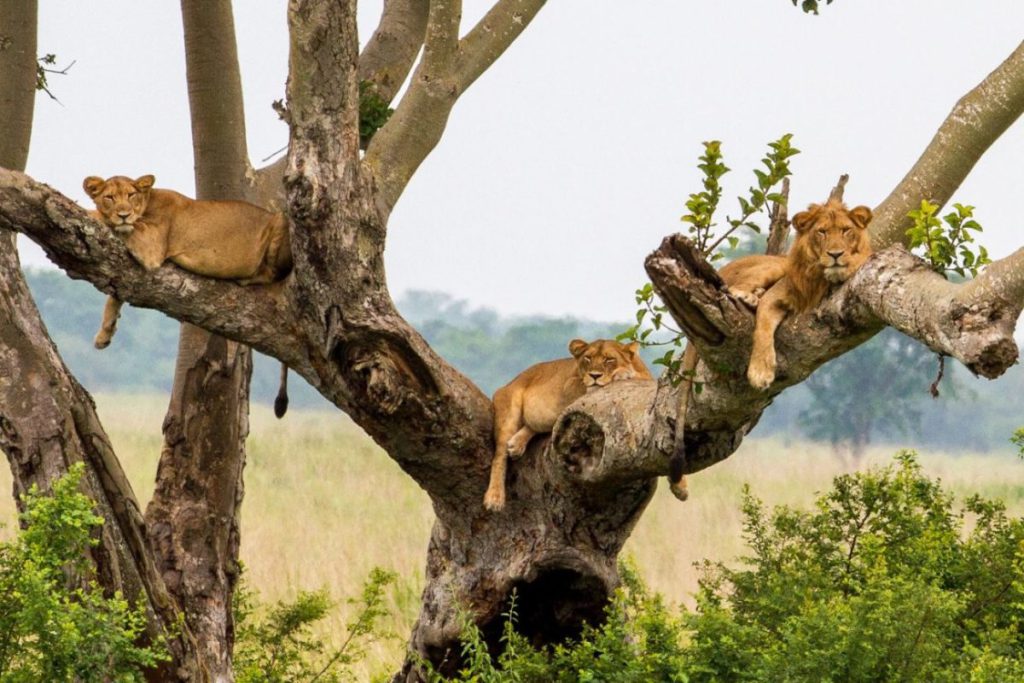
603 361
119 200
835 237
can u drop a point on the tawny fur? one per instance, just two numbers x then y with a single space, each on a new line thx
228 240
832 242
531 403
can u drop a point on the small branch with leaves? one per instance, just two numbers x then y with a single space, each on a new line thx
42 72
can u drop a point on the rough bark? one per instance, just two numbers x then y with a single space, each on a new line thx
193 516
47 420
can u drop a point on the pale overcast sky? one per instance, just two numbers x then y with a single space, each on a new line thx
570 159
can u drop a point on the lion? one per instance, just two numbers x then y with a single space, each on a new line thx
531 403
832 242
228 240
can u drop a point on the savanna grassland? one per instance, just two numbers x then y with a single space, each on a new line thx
324 505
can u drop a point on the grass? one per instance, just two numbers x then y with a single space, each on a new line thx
324 505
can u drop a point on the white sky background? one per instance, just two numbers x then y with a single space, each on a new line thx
569 160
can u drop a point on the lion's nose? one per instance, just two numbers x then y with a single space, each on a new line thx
596 375
124 214
835 255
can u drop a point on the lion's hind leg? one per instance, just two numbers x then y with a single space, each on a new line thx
508 423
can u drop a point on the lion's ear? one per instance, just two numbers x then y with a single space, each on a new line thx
577 347
93 185
861 216
802 221
144 182
633 347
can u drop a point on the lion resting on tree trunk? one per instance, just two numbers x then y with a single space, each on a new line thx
228 240
832 242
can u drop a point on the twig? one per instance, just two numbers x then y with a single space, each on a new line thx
837 191
778 231
934 388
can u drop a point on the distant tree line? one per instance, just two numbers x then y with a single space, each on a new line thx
877 393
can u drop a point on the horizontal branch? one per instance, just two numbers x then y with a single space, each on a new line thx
88 250
625 432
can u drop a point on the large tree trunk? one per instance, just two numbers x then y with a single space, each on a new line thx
47 420
574 497
193 517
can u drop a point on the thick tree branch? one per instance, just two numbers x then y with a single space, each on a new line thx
18 80
389 55
977 120
447 69
88 250
625 433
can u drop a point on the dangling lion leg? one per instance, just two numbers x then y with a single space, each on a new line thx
111 312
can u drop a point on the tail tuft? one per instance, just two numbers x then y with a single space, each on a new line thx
281 405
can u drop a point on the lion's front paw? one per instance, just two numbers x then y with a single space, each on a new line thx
516 446
494 499
102 340
761 372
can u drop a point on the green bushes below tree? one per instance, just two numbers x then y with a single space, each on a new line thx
55 622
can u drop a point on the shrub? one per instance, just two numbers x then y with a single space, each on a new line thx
55 622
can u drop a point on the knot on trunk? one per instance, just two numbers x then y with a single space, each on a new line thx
388 376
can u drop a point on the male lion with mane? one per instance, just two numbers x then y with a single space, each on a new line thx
228 240
531 403
832 242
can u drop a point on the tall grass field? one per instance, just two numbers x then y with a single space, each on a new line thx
324 505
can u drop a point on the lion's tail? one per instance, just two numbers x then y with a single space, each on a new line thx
676 478
281 402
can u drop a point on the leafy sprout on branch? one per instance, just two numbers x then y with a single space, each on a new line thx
947 247
651 316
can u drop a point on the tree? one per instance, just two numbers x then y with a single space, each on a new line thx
574 498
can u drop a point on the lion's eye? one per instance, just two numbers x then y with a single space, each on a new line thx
821 233
609 362
108 199
847 232
585 361
132 194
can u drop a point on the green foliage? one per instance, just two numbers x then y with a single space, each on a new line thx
701 206
810 6
947 248
277 644
639 641
879 582
55 622
1018 440
374 111
42 72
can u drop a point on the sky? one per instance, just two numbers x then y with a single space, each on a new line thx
566 163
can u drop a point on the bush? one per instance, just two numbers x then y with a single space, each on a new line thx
55 622
277 645
882 580
879 582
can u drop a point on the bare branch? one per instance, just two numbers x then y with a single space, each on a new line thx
836 195
778 233
977 120
391 51
492 36
415 128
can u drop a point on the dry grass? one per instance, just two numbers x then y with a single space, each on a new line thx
323 506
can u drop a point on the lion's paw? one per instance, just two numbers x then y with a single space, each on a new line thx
494 499
749 298
101 341
761 375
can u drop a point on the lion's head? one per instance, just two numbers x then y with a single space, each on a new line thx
119 200
604 361
832 242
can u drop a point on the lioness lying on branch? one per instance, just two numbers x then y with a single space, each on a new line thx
832 242
229 240
531 403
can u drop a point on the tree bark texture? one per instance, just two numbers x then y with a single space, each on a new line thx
574 497
193 516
